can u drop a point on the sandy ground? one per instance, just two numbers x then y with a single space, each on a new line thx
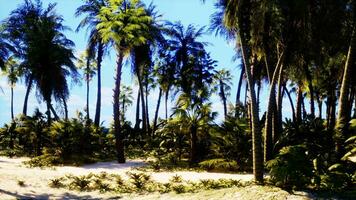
36 180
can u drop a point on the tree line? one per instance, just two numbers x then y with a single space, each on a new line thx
297 47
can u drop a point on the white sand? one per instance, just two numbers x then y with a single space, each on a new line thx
36 179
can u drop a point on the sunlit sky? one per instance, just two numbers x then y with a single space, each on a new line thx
186 11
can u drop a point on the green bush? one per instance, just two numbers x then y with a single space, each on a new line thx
291 168
219 165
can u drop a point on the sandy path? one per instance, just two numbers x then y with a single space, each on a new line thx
36 179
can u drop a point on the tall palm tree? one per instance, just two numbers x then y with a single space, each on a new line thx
126 100
86 63
124 23
11 70
91 9
46 53
223 81
183 43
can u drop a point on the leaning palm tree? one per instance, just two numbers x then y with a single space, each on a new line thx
91 9
124 23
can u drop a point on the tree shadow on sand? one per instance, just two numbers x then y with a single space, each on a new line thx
45 196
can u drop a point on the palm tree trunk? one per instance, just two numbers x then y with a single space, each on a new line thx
88 90
12 103
137 123
311 90
238 93
280 94
119 137
143 105
49 118
290 101
98 100
343 117
299 105
223 98
256 131
166 105
65 109
193 145
29 86
157 110
271 108
147 113
56 117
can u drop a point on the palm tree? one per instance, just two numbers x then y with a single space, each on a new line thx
92 8
125 24
46 53
5 47
11 70
86 63
125 99
193 117
223 81
183 43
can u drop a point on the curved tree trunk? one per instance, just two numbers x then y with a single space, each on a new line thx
277 132
29 86
137 123
98 100
157 110
143 105
119 137
343 117
238 93
271 108
257 151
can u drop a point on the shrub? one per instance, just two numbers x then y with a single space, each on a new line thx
21 183
139 180
81 183
176 179
56 182
291 167
219 165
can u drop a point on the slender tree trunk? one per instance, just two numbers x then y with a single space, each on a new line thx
343 117
223 98
193 145
29 86
119 137
354 116
49 118
147 114
311 90
271 108
12 102
320 106
88 90
299 105
166 105
157 110
290 101
98 100
137 123
65 109
257 151
238 93
304 110
276 134
143 105
56 117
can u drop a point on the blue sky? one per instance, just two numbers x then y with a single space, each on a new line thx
186 11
